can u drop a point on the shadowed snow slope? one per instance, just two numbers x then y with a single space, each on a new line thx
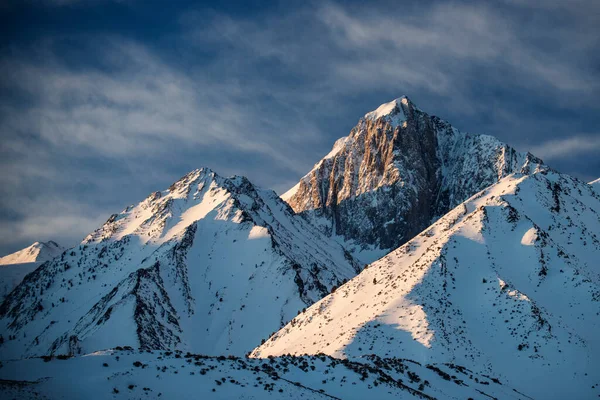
151 375
596 184
397 172
15 266
211 265
507 283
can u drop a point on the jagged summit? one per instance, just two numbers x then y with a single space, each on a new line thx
396 172
211 265
394 112
507 282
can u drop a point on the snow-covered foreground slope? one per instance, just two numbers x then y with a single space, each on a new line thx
151 375
508 283
211 265
37 252
15 266
398 171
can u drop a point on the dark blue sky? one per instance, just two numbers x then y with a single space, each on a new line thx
103 102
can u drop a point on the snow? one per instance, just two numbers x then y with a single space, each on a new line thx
37 252
14 267
291 192
501 292
530 237
12 274
337 146
392 111
596 184
211 265
258 232
505 284
175 375
385 183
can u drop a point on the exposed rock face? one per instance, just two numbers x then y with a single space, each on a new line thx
397 172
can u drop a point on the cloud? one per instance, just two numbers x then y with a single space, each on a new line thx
438 49
96 120
112 132
433 46
136 106
55 219
574 146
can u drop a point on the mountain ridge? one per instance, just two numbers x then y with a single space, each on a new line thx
419 164
479 288
211 255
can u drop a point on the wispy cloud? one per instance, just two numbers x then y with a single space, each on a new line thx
574 146
136 106
77 131
117 118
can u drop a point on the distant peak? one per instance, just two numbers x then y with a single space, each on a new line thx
394 111
36 252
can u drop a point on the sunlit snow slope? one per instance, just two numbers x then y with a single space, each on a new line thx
37 252
508 282
211 265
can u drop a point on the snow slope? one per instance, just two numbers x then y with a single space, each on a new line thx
11 275
14 267
507 283
596 184
397 172
37 252
211 265
167 375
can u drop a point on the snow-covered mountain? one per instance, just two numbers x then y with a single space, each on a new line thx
397 172
37 252
168 375
508 282
596 184
211 265
15 266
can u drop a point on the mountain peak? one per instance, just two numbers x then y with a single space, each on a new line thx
398 150
183 261
393 110
36 252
